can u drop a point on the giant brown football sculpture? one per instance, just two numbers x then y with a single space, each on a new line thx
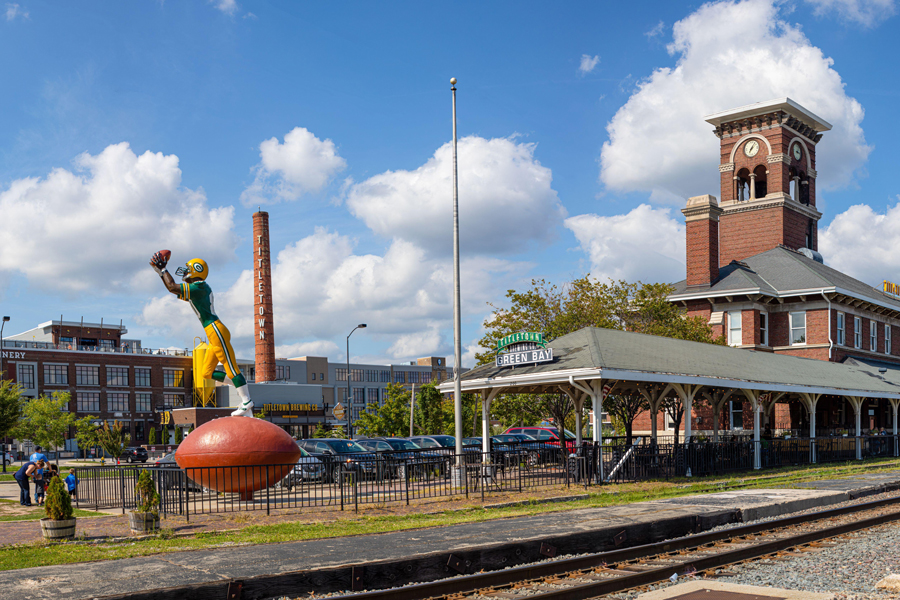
237 455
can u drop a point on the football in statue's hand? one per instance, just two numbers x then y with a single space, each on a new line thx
165 255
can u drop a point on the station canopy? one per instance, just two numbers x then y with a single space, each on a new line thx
593 353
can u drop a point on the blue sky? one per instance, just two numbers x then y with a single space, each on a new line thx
130 127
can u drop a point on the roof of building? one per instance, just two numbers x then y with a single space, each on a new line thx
592 353
761 108
783 272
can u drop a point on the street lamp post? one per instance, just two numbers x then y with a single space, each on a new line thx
349 397
2 324
457 326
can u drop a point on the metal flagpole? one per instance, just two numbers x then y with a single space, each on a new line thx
457 327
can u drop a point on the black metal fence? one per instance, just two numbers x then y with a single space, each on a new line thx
348 481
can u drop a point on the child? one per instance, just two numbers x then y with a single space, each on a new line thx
38 479
72 484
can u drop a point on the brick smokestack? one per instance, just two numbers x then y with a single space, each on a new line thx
264 326
702 224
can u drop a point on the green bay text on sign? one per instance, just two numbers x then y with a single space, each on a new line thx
511 359
523 337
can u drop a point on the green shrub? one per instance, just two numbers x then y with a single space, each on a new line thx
58 504
152 438
146 494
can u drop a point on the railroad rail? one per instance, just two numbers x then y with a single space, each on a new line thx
596 575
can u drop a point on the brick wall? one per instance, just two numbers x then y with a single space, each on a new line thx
104 360
702 251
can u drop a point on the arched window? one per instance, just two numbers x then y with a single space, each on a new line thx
742 184
760 181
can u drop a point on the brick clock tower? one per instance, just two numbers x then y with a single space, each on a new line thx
768 185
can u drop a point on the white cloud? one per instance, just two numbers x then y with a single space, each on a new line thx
505 199
420 343
588 63
656 31
229 7
864 12
659 142
646 244
315 348
94 229
302 164
14 10
863 243
322 288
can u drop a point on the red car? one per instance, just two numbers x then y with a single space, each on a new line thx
548 435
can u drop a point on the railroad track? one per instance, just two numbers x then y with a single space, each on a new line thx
596 575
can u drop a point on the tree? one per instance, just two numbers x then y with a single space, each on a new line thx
391 418
113 439
10 408
87 433
556 311
625 406
517 410
151 437
429 415
179 436
46 420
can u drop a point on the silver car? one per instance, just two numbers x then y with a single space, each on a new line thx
308 468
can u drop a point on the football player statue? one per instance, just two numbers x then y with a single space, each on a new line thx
197 292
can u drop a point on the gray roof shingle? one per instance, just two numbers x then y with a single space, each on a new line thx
782 270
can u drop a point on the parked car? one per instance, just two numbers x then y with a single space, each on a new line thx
537 451
337 454
503 453
8 458
169 480
308 468
548 435
134 454
397 454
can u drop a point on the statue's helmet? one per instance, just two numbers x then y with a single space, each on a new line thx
196 268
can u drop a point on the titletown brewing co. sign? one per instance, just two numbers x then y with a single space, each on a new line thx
524 348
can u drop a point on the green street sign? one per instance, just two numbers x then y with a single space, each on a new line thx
525 337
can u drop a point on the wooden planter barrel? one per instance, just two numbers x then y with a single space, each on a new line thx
63 529
141 522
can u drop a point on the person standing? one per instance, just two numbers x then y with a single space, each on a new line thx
38 455
39 486
72 484
21 476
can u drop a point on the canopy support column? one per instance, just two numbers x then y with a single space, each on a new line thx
654 396
753 397
810 401
687 392
895 405
487 396
717 400
856 402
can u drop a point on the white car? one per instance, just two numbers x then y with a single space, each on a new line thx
8 458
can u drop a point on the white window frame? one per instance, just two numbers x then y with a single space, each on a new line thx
857 332
792 328
887 338
841 328
731 413
873 335
735 315
763 329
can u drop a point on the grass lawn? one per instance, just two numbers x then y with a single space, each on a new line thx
333 524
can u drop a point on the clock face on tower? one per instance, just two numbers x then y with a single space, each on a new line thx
797 152
751 148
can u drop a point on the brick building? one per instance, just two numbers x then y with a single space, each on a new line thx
108 377
755 274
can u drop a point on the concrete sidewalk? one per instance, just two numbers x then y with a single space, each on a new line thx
480 545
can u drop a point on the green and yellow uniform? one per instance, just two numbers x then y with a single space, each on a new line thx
200 296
